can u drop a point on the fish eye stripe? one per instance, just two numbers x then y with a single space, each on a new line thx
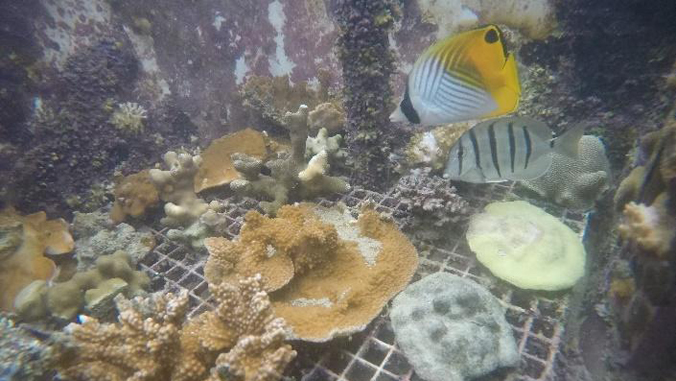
407 108
512 144
494 148
491 36
526 136
460 155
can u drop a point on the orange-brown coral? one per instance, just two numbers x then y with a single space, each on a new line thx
338 285
216 168
23 242
276 248
134 194
152 342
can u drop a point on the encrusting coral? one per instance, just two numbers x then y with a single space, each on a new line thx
241 339
331 274
24 240
327 115
217 169
176 188
92 290
575 183
290 176
134 195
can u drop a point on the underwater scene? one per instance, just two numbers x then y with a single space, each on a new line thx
338 190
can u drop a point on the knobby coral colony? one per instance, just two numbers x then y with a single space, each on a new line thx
239 340
367 65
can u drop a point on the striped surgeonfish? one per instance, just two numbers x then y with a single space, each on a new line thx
511 148
466 76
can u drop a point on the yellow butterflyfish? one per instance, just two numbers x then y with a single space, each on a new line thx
465 76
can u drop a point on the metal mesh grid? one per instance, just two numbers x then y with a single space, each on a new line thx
372 355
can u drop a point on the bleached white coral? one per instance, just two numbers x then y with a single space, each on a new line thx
129 117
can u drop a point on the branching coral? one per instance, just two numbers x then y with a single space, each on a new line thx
176 188
307 180
129 117
650 227
23 242
432 202
332 274
152 342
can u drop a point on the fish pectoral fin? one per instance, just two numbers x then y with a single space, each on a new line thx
511 75
567 143
507 94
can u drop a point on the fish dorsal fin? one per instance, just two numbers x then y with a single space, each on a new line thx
567 143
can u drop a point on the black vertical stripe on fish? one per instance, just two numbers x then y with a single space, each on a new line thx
494 147
407 108
526 136
460 155
512 144
475 144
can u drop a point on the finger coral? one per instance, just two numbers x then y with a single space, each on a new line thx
331 274
241 339
176 188
134 194
307 180
23 242
93 290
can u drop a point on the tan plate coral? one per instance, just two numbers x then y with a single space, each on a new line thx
23 242
331 274
216 168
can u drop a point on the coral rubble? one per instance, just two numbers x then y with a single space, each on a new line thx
92 290
527 247
452 329
575 183
216 168
23 356
241 339
368 64
24 241
328 275
435 207
291 177
96 236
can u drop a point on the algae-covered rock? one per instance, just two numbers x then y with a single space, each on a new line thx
452 329
527 247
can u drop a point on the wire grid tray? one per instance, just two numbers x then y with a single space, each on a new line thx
372 355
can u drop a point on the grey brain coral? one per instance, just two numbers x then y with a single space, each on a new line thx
575 183
452 329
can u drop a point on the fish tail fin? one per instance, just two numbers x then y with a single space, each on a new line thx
567 143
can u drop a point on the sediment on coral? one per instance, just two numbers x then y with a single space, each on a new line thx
328 274
291 178
152 340
368 64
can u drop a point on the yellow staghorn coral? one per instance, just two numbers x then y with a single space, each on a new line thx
23 242
152 341
343 271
